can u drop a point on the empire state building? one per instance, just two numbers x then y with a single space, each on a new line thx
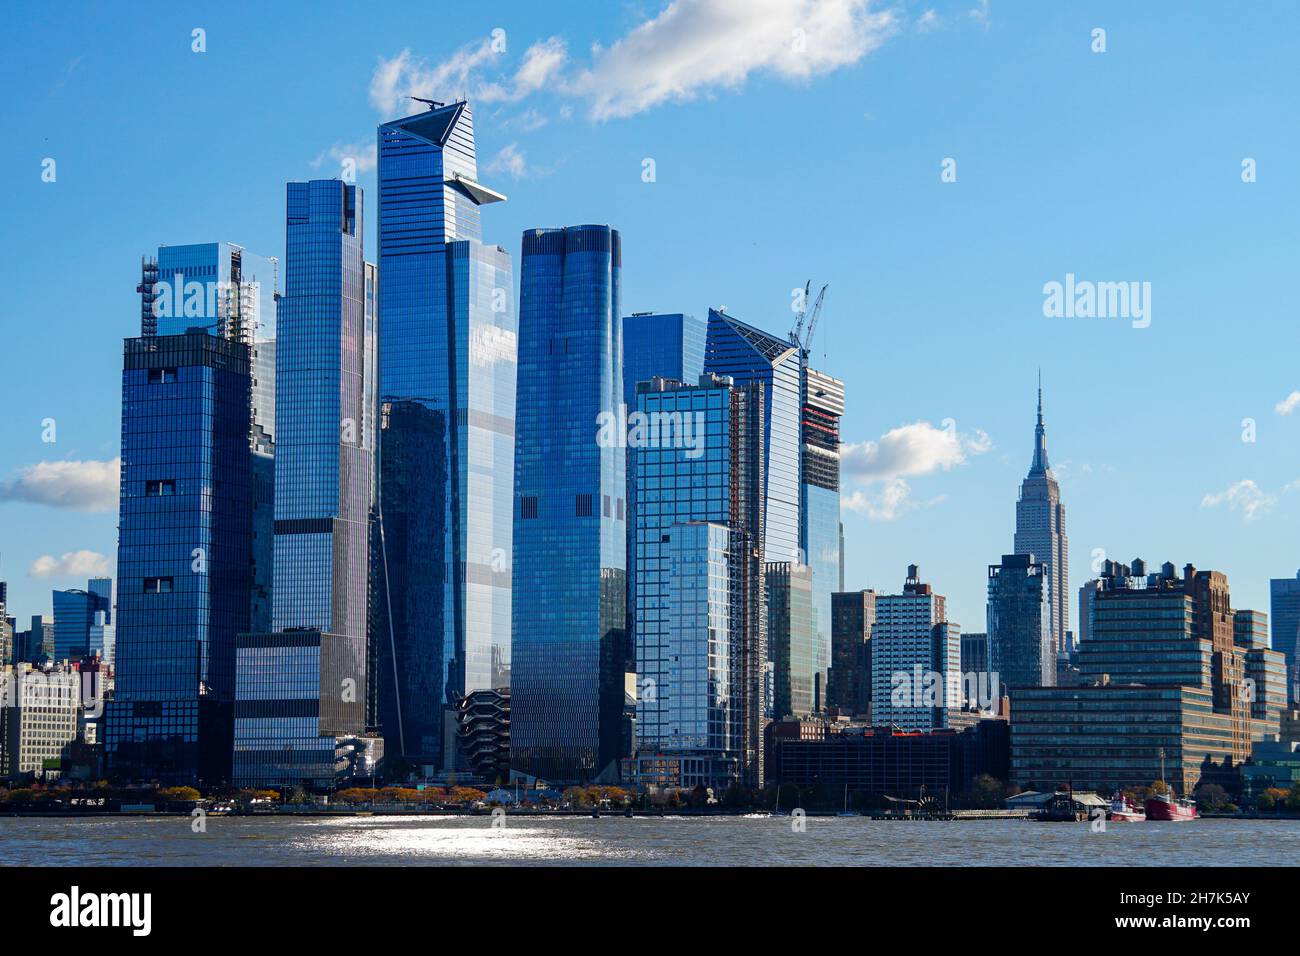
1040 529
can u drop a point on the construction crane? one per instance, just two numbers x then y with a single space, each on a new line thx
797 336
432 104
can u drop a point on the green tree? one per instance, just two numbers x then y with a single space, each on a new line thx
986 792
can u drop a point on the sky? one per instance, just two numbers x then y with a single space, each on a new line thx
938 164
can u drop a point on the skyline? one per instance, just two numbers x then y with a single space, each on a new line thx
1134 484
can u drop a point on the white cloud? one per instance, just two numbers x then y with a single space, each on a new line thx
398 78
79 485
699 46
928 21
1244 496
915 449
509 160
1288 404
363 156
74 564
902 452
887 501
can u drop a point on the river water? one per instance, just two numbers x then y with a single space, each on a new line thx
641 841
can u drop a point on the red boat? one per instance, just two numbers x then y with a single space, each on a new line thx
1163 806
1123 810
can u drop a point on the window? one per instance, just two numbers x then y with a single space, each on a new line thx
157 585
582 506
528 506
159 376
156 489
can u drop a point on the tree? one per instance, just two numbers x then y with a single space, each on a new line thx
179 794
1292 800
1159 786
1211 796
986 792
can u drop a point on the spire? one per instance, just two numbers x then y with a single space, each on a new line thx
1040 465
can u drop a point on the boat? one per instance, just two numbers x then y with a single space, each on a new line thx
1167 807
846 812
1124 810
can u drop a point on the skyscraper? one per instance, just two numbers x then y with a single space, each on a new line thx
448 343
1019 623
303 685
853 614
76 613
820 531
570 544
797 675
667 345
700 650
1284 606
184 556
226 291
752 356
915 658
1040 530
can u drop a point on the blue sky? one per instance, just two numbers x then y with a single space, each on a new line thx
779 156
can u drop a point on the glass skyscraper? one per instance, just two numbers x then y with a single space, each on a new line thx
76 615
797 674
750 355
1284 607
184 556
225 290
569 649
699 589
1019 623
448 341
303 685
669 345
820 531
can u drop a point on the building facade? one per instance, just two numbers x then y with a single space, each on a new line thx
821 535
184 557
303 684
1040 530
1284 606
76 614
570 535
793 643
853 614
663 345
447 362
698 465
1019 622
915 659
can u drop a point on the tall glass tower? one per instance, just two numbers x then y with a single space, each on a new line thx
184 557
750 355
1284 606
700 620
820 532
1019 623
448 341
570 521
1040 530
303 685
667 345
